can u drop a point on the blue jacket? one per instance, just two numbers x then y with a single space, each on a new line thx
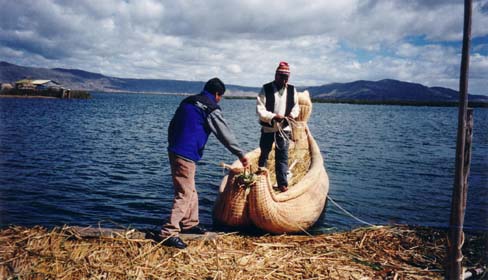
194 120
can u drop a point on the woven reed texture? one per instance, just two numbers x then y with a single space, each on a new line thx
231 207
305 106
298 208
293 211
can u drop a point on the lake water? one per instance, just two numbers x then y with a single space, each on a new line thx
103 162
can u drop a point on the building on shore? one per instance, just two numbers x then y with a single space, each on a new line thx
41 88
37 84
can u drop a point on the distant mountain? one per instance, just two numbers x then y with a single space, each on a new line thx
388 90
362 91
83 80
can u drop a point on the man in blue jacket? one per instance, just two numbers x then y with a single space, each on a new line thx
188 132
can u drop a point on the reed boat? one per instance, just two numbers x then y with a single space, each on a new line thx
247 197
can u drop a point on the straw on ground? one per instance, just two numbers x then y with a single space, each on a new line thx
399 252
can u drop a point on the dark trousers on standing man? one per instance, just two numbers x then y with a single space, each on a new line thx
281 153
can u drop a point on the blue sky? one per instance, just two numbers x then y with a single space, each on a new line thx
242 42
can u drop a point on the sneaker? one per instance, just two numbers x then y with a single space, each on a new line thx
282 188
195 230
175 241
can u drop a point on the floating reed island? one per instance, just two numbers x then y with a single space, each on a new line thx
386 252
29 88
46 93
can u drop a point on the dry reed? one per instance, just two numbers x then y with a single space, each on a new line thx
297 158
399 252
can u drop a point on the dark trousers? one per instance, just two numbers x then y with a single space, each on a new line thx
281 154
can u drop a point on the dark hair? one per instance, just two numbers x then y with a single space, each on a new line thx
215 85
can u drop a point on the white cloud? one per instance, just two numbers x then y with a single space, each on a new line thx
242 41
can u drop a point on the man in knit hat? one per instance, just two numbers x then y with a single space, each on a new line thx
277 102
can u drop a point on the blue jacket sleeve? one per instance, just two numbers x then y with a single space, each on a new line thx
222 131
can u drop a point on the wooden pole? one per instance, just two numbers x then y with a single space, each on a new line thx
467 147
458 203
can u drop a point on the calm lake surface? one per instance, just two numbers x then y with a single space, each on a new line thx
104 162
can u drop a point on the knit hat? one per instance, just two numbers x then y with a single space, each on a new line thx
283 68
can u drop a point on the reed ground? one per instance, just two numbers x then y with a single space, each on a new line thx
388 252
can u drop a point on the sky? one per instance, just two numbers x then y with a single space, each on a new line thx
242 41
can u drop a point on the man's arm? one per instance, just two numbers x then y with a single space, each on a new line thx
222 131
264 115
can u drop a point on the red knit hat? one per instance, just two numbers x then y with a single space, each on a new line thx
283 68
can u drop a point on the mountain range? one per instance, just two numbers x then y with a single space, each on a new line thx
386 90
83 80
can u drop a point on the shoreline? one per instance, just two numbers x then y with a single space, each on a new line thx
27 96
59 93
473 104
385 252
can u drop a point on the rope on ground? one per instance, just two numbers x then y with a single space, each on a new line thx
349 213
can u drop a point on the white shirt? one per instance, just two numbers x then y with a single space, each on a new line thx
279 107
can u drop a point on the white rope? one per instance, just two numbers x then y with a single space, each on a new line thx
291 121
348 213
302 229
282 132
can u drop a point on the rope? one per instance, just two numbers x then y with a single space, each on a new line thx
291 121
282 132
349 213
283 135
302 229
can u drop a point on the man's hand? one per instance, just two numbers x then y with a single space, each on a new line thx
245 161
278 117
